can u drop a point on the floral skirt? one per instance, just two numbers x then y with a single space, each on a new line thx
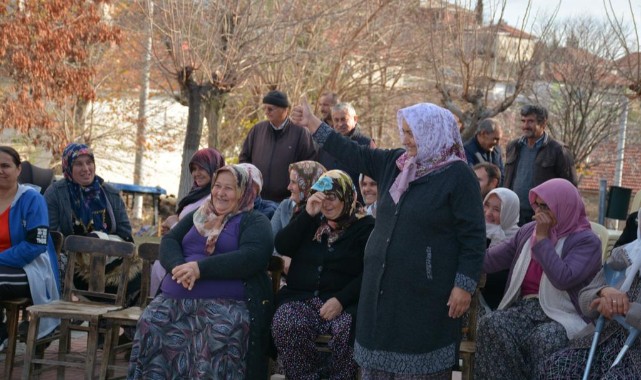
191 339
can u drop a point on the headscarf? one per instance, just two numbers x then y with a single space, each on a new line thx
255 174
339 183
88 203
509 216
205 216
438 143
565 202
210 160
306 173
631 260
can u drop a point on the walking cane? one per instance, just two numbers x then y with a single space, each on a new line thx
631 323
612 276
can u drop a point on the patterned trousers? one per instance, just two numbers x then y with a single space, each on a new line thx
512 343
295 327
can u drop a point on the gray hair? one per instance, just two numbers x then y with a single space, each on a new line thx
488 125
344 107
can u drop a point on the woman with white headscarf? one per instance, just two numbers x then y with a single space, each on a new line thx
501 207
423 259
601 298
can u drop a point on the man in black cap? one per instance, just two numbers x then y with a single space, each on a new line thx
275 143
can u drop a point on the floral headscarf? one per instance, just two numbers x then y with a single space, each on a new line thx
210 160
255 174
306 173
438 144
205 216
339 183
89 203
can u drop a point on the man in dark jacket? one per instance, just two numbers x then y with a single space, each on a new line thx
535 158
484 146
345 122
275 143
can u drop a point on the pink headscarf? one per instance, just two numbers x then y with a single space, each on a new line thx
564 200
438 144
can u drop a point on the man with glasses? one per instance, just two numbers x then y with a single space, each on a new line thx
273 144
534 158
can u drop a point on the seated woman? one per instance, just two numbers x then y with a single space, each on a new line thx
599 298
28 261
550 260
369 191
501 208
326 243
82 204
302 175
202 166
211 319
264 206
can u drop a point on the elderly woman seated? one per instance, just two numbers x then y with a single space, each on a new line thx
600 298
550 260
212 317
501 209
326 243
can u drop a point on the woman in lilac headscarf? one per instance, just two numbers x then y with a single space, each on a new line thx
550 260
423 259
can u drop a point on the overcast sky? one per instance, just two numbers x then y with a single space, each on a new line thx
515 9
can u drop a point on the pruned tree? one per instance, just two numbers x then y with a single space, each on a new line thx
579 87
479 70
207 49
46 60
629 65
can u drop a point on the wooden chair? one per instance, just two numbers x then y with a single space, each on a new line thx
13 308
129 316
468 346
90 311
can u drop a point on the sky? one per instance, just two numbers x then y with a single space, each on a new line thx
514 10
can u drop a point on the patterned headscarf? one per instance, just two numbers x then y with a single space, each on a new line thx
255 174
205 216
438 143
306 174
210 160
89 203
339 183
565 202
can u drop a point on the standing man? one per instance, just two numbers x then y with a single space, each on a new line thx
273 144
489 177
345 122
326 101
535 158
484 146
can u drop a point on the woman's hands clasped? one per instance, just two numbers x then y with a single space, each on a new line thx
186 274
611 302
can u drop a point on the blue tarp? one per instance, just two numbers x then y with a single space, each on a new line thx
137 189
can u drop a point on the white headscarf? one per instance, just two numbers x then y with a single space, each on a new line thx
633 253
509 216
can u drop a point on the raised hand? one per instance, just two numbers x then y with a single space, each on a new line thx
302 115
545 220
314 203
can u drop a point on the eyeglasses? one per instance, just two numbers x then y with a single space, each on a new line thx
331 197
541 206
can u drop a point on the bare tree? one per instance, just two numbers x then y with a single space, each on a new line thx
479 70
629 66
578 86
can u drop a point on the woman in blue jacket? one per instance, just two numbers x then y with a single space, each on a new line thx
28 264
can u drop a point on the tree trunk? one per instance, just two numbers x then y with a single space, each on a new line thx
192 136
213 110
141 133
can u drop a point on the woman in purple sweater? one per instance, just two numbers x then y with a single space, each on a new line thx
550 260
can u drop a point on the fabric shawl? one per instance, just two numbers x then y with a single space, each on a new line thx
89 203
438 144
633 254
210 160
509 216
306 173
205 217
339 183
